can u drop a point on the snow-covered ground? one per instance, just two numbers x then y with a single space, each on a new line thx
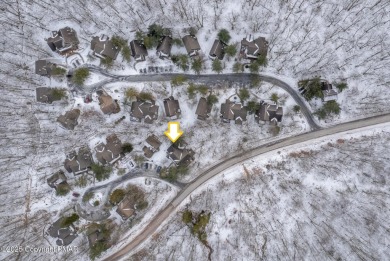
323 200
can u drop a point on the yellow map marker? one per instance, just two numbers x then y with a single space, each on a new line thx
173 132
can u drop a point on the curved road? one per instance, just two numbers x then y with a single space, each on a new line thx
242 78
155 223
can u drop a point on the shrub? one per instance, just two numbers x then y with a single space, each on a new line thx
212 99
97 249
341 86
142 205
131 93
145 96
243 94
96 203
197 65
87 196
253 106
191 90
224 36
181 61
117 196
312 87
127 147
187 216
237 67
107 62
58 71
254 67
67 221
178 80
81 182
177 42
62 189
58 94
297 108
118 41
80 75
126 53
192 31
274 97
262 60
217 66
230 50
332 107
101 172
203 89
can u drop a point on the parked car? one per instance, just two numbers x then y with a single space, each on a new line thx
131 164
158 170
145 165
75 194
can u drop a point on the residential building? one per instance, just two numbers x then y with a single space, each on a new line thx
144 110
233 111
69 119
172 108
203 109
126 208
45 68
180 155
103 47
54 180
79 162
63 41
164 47
64 235
269 112
110 152
217 50
153 145
328 92
252 48
191 44
107 104
138 50
45 95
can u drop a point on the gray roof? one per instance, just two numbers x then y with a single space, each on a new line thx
180 156
44 67
164 47
110 152
63 40
44 95
172 107
269 112
144 110
78 163
104 47
233 111
203 109
56 178
69 119
138 50
191 44
65 235
217 50
253 48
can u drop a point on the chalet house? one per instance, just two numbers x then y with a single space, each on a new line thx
217 50
110 152
192 45
63 41
203 109
172 108
138 50
180 155
269 112
64 236
95 236
126 208
164 47
233 111
107 104
328 92
69 119
147 111
44 67
252 48
45 95
103 47
57 179
78 163
153 145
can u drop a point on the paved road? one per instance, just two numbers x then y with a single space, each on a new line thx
238 78
155 223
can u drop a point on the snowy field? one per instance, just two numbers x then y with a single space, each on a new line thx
324 201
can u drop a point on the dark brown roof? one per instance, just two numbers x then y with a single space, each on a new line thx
252 48
172 107
233 111
65 235
107 104
44 67
126 208
69 119
217 50
56 178
148 152
110 152
191 44
138 50
269 112
143 110
203 109
180 156
102 46
78 163
44 95
164 47
63 40
154 142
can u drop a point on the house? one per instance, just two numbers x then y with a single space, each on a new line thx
94 236
138 50
153 145
180 155
45 95
54 180
110 152
269 112
172 107
233 111
217 50
103 47
252 48
69 119
107 104
44 67
164 47
147 111
203 109
63 41
78 163
64 235
191 44
126 208
328 92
